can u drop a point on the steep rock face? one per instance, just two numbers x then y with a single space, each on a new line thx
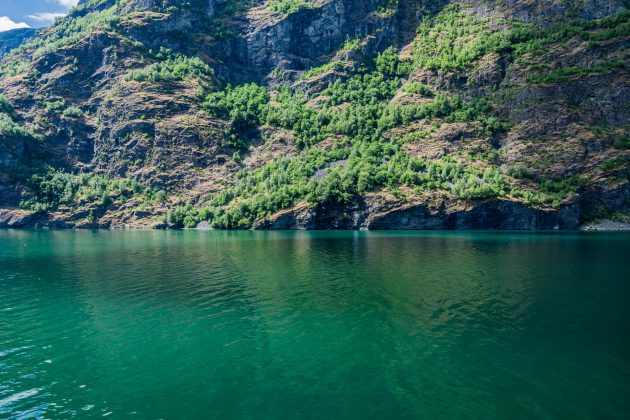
498 214
307 38
495 214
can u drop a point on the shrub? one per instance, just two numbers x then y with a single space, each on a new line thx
10 130
171 70
622 142
73 112
5 105
288 7
54 107
418 89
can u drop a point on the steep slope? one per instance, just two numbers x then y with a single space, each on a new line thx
14 38
320 114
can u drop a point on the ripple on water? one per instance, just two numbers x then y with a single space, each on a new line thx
332 324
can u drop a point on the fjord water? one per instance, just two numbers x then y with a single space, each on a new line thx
316 325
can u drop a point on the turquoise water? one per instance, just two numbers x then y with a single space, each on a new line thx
314 325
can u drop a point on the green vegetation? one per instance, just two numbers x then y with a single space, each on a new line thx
9 129
418 89
316 71
615 163
564 74
5 105
175 68
261 192
54 107
455 39
287 7
355 110
622 142
73 112
53 188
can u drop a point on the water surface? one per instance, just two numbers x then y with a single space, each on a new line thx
314 325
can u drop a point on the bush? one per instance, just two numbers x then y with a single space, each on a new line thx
10 130
5 105
54 107
52 188
621 142
173 69
73 112
418 89
287 7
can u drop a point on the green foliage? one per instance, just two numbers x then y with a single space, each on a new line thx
455 39
452 40
357 111
561 189
451 108
615 163
172 69
622 142
316 71
360 168
54 107
52 188
389 65
181 216
363 89
287 7
73 112
245 103
418 89
565 73
244 106
11 131
351 44
5 105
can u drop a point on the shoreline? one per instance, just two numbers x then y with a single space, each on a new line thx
604 226
490 216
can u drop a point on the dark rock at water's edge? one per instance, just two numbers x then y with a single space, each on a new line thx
494 214
606 226
372 213
17 218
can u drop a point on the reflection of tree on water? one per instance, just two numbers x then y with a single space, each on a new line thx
261 324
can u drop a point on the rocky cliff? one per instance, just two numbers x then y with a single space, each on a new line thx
371 114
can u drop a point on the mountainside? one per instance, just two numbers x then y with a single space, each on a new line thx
284 114
14 38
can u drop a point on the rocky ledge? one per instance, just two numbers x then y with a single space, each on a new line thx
492 214
607 225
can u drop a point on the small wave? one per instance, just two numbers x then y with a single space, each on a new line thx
17 397
11 351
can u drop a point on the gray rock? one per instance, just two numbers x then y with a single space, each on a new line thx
607 225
